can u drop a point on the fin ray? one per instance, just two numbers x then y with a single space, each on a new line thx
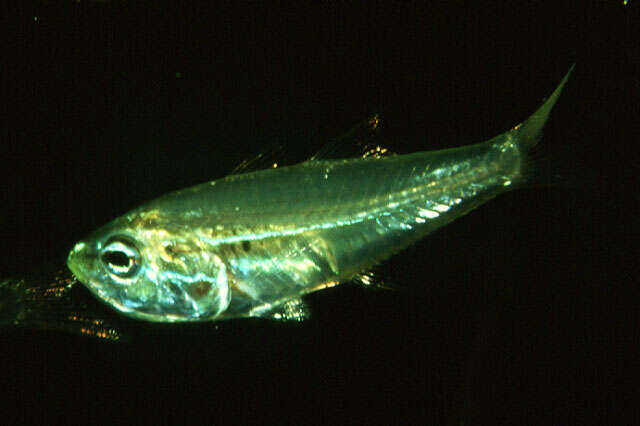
529 131
362 140
271 156
288 310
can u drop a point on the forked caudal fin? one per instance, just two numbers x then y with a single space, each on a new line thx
529 131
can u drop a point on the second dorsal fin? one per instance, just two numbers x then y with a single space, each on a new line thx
362 140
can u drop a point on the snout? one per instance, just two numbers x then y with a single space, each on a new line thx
79 259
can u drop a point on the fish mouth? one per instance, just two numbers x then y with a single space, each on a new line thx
79 260
82 262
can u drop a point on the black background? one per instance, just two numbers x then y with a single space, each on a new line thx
524 311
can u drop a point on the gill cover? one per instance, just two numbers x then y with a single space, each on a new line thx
151 279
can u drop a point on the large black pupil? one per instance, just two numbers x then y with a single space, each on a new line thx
117 258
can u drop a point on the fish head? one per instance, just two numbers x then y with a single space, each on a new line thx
150 271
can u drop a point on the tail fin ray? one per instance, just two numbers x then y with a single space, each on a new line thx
529 132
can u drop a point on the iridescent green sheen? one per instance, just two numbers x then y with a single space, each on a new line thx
249 243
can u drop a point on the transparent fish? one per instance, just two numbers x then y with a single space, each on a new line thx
252 244
51 298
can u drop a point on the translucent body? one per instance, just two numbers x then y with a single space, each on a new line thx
281 233
248 243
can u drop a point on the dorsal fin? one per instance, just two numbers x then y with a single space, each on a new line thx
270 157
362 140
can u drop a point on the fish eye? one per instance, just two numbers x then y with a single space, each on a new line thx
121 258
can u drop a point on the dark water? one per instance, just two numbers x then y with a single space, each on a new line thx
521 312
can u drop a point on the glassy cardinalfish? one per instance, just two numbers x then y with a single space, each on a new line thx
252 244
